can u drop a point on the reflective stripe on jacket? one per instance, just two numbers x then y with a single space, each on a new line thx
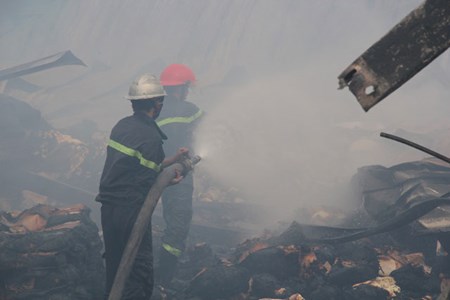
134 153
178 119
172 250
133 158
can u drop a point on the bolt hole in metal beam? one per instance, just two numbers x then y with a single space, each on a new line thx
369 90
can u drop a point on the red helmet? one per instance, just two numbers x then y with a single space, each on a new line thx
177 74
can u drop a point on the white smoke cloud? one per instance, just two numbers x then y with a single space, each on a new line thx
278 129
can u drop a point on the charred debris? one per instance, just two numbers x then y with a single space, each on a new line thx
393 245
55 253
50 253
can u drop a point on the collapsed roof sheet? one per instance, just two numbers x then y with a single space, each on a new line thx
59 59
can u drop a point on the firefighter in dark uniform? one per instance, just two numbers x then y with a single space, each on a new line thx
134 159
178 121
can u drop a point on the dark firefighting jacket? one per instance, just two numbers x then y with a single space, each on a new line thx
133 160
178 120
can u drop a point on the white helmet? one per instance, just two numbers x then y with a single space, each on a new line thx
144 87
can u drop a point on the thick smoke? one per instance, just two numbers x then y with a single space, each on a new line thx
276 127
292 140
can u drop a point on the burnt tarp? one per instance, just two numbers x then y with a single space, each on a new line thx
59 59
387 191
50 253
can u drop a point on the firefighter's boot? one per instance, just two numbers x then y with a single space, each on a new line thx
166 268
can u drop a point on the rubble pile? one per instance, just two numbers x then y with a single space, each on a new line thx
49 253
279 267
378 251
36 157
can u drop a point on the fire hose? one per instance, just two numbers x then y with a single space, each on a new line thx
143 219
414 145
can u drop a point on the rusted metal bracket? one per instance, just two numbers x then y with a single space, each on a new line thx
406 49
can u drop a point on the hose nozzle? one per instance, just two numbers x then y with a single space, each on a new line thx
196 159
189 163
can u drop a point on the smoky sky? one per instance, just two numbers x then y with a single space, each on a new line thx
276 126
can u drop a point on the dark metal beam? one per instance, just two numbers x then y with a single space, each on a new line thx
405 50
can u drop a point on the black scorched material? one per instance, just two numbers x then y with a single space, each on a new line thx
48 253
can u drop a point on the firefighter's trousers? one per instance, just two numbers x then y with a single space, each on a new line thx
117 223
177 213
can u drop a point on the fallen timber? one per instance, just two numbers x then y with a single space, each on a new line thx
50 253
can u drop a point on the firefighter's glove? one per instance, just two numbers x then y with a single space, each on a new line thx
178 177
